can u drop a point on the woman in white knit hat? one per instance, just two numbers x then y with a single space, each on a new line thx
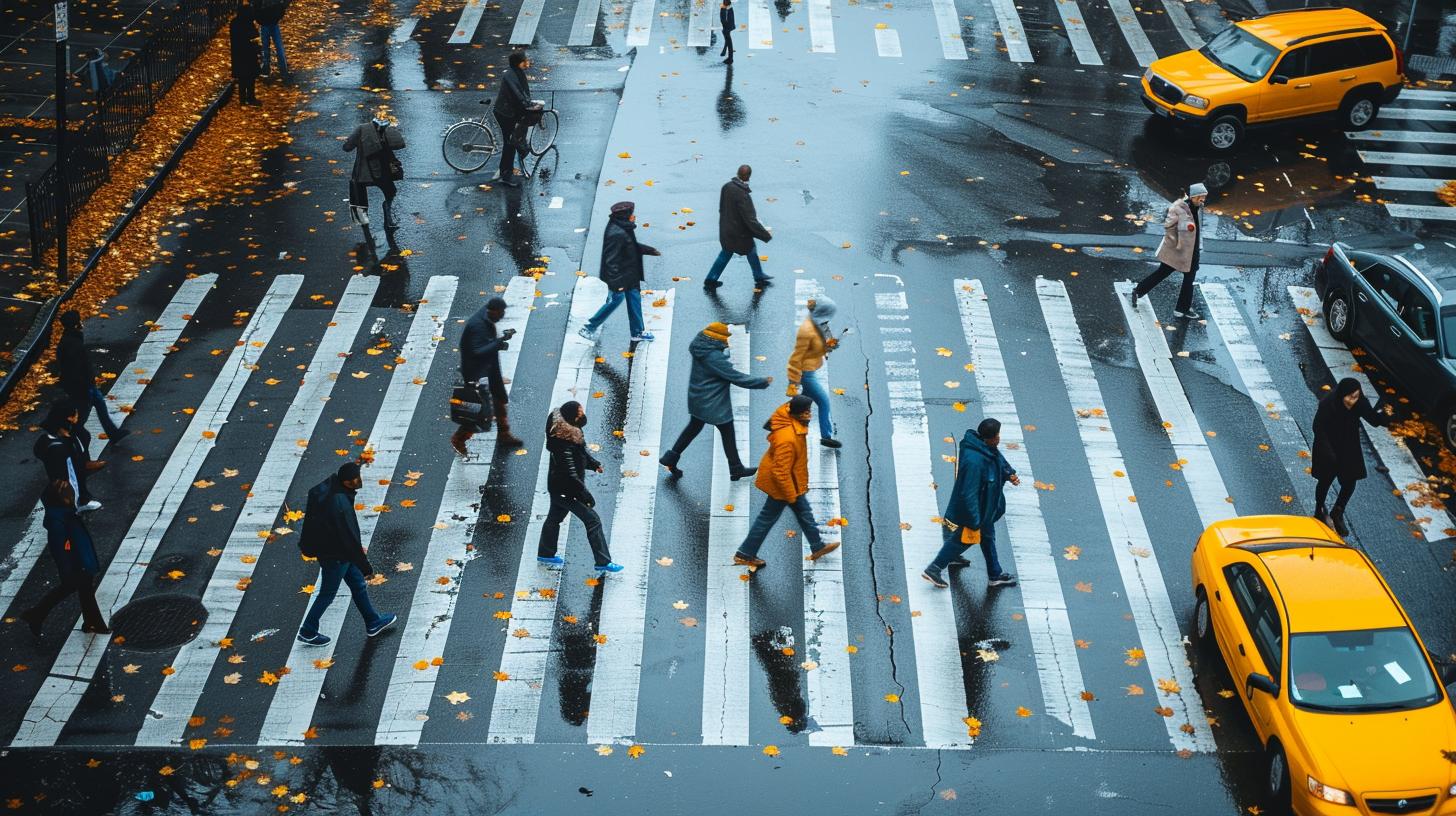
1182 241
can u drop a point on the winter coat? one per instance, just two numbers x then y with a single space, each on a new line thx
737 220
244 46
710 378
725 16
1182 232
55 452
810 348
330 528
978 498
783 472
373 145
73 365
480 348
514 96
70 542
622 255
566 475
269 12
1336 453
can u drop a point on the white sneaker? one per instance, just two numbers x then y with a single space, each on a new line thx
586 334
89 507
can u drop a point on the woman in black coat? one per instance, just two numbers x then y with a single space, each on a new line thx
245 51
1337 453
373 144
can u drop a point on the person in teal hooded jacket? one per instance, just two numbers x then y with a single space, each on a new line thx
977 502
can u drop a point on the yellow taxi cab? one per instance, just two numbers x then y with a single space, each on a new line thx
1351 710
1276 68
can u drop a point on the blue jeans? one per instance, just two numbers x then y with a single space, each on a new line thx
953 548
331 572
723 257
769 516
814 390
271 32
614 299
95 398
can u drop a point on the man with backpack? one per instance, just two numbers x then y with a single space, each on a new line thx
331 534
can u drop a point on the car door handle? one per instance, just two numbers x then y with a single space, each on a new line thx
1347 78
1361 296
1395 331
1302 85
1241 650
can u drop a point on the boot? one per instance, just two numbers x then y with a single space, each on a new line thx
1322 515
669 461
458 440
389 222
1337 517
742 473
32 620
360 215
504 436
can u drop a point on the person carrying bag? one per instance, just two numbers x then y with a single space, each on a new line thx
375 165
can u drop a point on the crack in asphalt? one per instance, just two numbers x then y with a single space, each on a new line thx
930 799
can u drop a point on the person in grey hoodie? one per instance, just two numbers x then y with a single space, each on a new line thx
708 401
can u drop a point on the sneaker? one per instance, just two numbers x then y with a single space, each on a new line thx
1135 298
96 629
1004 579
959 563
380 625
763 282
610 566
644 337
552 561
935 580
89 507
586 333
316 639
831 442
822 551
710 285
1188 315
745 561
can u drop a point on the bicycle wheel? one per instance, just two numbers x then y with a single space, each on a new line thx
468 145
543 135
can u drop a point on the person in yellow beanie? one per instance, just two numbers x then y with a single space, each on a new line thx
708 401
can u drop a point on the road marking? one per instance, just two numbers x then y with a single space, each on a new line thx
1405 471
1406 159
584 24
826 629
1410 185
1426 212
1077 33
180 691
1418 114
1427 95
79 658
618 674
887 42
1013 34
1133 32
1057 663
517 703
296 695
760 24
403 31
1200 472
725 615
1410 136
700 24
639 23
1178 13
524 31
556 203
1142 579
432 612
469 20
821 27
131 381
952 46
1279 422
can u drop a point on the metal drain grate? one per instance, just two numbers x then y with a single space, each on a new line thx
158 622
1433 66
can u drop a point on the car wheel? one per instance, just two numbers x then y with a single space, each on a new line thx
1202 622
1276 781
1358 111
1339 316
1219 175
1448 426
1224 133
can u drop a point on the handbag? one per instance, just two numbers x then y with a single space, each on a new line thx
469 407
396 169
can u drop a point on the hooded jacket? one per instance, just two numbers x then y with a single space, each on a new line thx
480 348
711 376
978 498
812 343
622 255
1336 452
737 219
783 472
330 527
570 460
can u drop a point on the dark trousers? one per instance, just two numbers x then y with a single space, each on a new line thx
1322 492
246 90
1185 295
727 44
94 398
551 530
509 153
359 192
725 432
769 516
84 586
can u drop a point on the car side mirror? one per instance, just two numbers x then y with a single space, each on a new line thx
1448 673
1279 79
1264 683
1428 346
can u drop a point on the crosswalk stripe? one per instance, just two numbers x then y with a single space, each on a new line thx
131 381
1058 665
296 695
1425 212
517 703
1406 159
177 698
1427 94
1410 136
826 628
618 673
1418 114
760 24
952 46
639 23
524 31
700 24
79 658
725 616
404 30
1405 471
470 16
1137 39
1409 185
1076 27
887 43
584 24
1279 423
1013 34
1178 14
821 27
431 613
1200 472
1142 579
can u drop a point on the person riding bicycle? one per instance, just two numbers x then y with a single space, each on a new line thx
511 105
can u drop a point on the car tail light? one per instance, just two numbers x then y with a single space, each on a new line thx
1329 255
1399 60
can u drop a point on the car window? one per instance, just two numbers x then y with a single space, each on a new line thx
1269 638
1418 313
1363 670
1240 53
1295 63
1336 55
1372 50
1448 330
1258 612
1389 286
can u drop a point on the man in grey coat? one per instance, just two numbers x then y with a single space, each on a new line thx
708 400
737 227
1179 249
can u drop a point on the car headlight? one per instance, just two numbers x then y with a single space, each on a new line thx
1193 101
1329 794
1451 791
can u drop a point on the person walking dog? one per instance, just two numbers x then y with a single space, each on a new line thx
1336 452
737 227
1181 245
78 376
331 534
977 501
709 403
566 480
622 273
373 144
783 474
480 346
812 344
70 546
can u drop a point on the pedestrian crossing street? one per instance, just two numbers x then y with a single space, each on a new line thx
1410 153
517 678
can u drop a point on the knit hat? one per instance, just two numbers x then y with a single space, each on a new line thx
1197 190
824 309
623 208
571 412
800 404
349 471
717 331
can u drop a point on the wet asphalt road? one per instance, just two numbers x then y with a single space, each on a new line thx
885 180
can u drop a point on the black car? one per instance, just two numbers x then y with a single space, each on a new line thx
1400 308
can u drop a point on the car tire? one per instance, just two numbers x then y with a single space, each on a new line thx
1339 316
1276 778
1448 426
1359 110
1224 133
1204 640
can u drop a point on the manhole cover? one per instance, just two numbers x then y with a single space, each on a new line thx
158 622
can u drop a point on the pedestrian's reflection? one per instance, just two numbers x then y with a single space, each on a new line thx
730 110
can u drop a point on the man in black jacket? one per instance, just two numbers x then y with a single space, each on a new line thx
269 14
566 480
243 50
78 378
622 273
725 16
480 346
737 227
331 534
510 106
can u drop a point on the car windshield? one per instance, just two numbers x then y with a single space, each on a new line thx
1448 331
1367 670
1239 52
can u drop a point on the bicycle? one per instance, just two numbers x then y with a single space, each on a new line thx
469 143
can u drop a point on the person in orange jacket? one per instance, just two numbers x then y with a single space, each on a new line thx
783 474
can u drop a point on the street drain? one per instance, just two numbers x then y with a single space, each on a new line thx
158 622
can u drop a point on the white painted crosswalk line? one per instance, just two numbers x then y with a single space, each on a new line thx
584 24
760 24
1133 32
1178 14
1406 159
1076 27
131 381
821 27
296 695
1427 95
1057 663
1013 34
1418 114
948 24
1132 547
618 673
79 658
639 23
725 617
177 698
1409 185
1425 212
700 23
1279 423
1405 471
1210 496
887 43
517 703
524 31
826 629
1408 136
470 16
431 613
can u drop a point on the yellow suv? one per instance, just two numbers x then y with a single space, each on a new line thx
1275 68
